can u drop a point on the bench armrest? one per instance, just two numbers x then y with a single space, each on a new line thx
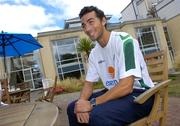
147 94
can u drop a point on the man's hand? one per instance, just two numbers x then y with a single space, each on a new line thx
82 106
82 109
83 117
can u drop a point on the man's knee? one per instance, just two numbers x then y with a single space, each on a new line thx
94 118
103 117
97 118
70 108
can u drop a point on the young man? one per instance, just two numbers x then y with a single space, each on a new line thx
118 62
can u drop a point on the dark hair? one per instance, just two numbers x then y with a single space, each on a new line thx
87 9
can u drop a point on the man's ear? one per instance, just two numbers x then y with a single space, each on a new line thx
104 21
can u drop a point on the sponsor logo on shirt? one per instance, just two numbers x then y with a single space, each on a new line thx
111 76
111 83
101 61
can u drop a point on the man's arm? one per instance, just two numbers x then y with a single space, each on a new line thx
123 88
83 105
86 91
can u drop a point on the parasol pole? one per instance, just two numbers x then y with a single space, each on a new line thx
5 81
4 52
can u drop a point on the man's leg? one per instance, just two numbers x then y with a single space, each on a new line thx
120 112
70 111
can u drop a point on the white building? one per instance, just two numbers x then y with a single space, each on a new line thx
168 11
138 9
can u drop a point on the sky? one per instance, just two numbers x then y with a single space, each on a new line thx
35 16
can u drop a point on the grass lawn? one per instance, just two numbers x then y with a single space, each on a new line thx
174 86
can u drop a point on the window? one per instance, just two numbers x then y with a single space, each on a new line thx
74 25
147 39
25 69
68 61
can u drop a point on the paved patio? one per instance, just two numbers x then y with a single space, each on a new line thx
62 100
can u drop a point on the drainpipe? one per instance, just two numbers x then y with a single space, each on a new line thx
134 9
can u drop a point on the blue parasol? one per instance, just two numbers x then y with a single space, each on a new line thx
14 44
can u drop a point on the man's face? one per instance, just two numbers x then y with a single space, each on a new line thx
93 26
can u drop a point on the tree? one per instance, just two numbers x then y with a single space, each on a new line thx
84 46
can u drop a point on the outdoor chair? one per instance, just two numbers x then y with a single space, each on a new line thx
158 70
49 90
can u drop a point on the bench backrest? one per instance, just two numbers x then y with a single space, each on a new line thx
157 65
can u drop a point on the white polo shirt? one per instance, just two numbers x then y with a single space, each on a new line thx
120 58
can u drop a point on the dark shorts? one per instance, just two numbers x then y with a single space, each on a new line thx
117 112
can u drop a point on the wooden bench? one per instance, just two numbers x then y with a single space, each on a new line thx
158 70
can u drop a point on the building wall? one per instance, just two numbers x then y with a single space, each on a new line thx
46 52
133 12
142 10
174 32
163 42
129 13
47 57
168 9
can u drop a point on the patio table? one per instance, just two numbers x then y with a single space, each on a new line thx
29 114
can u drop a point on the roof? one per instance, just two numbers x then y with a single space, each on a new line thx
77 20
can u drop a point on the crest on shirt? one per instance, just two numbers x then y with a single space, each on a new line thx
111 72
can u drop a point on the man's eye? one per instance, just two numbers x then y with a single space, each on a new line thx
91 22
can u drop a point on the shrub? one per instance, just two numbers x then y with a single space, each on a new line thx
73 84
